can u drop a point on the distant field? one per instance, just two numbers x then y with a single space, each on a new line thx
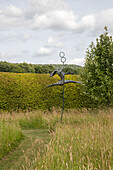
28 91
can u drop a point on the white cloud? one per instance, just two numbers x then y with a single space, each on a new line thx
59 20
15 37
77 61
2 56
80 46
26 36
65 19
43 51
92 24
86 23
44 6
104 18
52 14
11 16
6 57
25 51
52 42
4 21
55 15
49 48
12 11
41 22
13 58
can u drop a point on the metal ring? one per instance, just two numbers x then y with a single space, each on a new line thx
61 54
63 59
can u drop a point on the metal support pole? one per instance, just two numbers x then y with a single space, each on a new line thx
62 104
63 98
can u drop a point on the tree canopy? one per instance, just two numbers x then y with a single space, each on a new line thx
36 68
97 74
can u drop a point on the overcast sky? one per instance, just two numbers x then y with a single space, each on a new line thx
35 31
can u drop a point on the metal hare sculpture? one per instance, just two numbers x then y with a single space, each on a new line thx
62 76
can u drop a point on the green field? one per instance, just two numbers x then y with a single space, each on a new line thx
83 140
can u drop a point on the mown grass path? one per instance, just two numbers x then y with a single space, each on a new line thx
26 152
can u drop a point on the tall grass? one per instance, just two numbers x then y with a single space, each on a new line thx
10 136
33 121
81 141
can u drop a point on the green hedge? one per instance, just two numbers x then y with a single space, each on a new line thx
28 91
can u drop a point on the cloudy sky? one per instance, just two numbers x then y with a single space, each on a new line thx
35 31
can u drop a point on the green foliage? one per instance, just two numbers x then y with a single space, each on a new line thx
43 69
27 68
70 70
9 67
34 68
10 136
97 74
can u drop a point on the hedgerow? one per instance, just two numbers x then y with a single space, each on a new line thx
28 91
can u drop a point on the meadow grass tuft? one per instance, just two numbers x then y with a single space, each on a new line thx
10 136
33 121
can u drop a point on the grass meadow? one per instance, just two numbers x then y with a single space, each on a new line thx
83 140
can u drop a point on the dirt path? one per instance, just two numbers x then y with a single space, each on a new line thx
26 152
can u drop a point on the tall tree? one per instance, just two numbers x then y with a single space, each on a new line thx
98 70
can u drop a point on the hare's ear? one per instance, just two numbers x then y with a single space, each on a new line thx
53 73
